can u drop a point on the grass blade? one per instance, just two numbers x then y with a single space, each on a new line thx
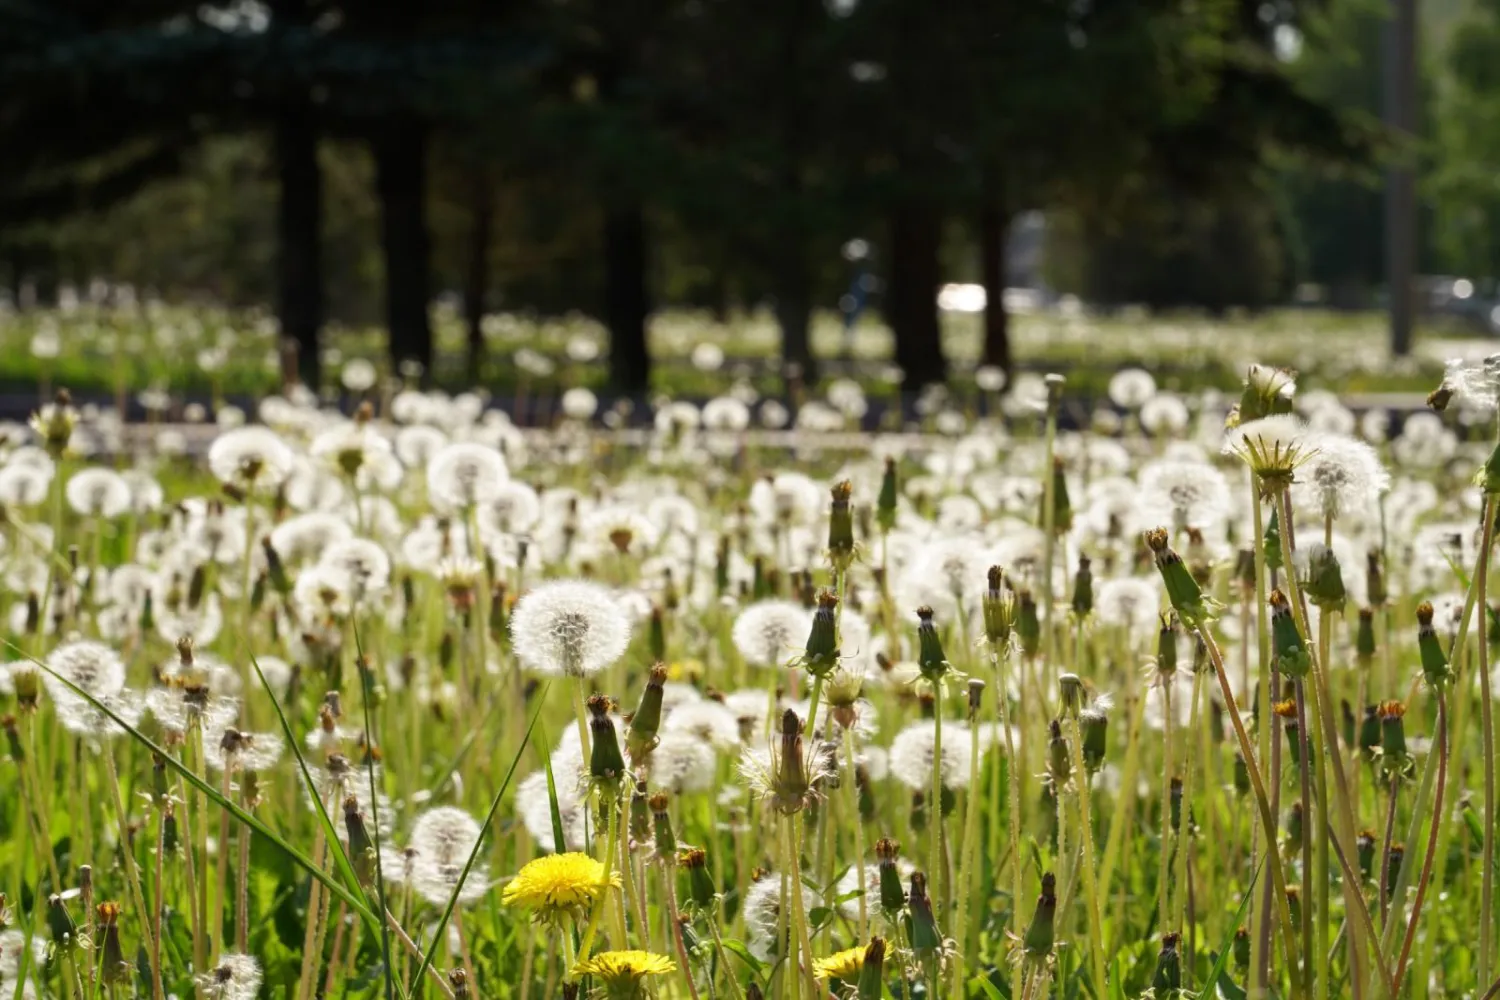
489 819
559 844
1227 948
355 903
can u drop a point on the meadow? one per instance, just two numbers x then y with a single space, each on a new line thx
395 698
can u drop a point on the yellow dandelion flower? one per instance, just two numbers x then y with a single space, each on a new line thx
621 972
845 965
558 884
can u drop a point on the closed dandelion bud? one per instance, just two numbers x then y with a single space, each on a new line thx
196 585
446 647
1434 660
1054 383
661 823
148 613
753 991
947 800
1374 579
641 736
408 591
1093 731
1369 731
822 652
1350 729
1241 775
1166 647
999 607
1070 692
1174 799
1186 597
1364 636
841 527
114 967
1244 569
1168 976
1040 933
258 592
458 979
640 813
656 634
1049 811
918 816
1325 579
790 779
976 697
701 891
1294 903
892 896
170 839
60 923
872 971
13 739
1028 625
1272 542
1393 869
1288 653
275 568
1393 737
1286 711
27 685
1083 589
1062 507
1294 826
1059 763
361 847
1364 846
925 939
1242 947
930 657
606 766
866 794
885 503
1268 391
500 615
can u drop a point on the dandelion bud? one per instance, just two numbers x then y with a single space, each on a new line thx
885 504
458 979
361 847
1369 732
1286 711
1393 869
1393 737
999 607
1059 764
640 813
606 766
13 740
115 968
275 568
1083 589
1186 597
1242 947
196 586
1244 570
1241 775
1039 934
169 835
1166 647
1374 579
1364 637
841 527
1093 731
701 891
1324 582
752 991
871 972
1349 730
976 697
640 739
822 651
1028 625
1167 979
925 939
1434 660
930 656
60 923
1062 507
1364 847
1294 826
33 613
1268 391
447 645
790 781
1070 691
661 822
892 896
1288 653
1174 803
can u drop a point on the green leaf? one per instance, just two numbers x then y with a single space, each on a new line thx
738 950
1216 974
559 841
489 818
990 989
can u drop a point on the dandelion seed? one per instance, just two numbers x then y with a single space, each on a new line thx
568 628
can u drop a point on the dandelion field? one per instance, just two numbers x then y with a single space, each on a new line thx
402 700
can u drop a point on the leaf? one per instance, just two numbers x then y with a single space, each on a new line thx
559 841
990 989
1216 974
355 903
738 950
438 933
818 916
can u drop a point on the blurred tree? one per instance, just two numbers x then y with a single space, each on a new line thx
1466 185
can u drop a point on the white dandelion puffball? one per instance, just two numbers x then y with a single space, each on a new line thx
443 839
98 492
92 667
569 627
464 474
253 458
768 633
236 977
1344 475
912 750
1130 388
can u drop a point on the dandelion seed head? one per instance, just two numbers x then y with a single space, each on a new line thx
768 633
568 628
465 474
236 977
1344 475
98 492
912 751
251 458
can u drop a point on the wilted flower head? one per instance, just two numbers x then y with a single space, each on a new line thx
569 627
1273 447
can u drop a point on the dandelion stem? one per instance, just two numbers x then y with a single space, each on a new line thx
1441 750
1487 726
133 876
1090 884
1163 887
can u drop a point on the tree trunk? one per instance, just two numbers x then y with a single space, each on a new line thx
476 279
626 299
793 309
994 226
911 303
299 214
401 180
